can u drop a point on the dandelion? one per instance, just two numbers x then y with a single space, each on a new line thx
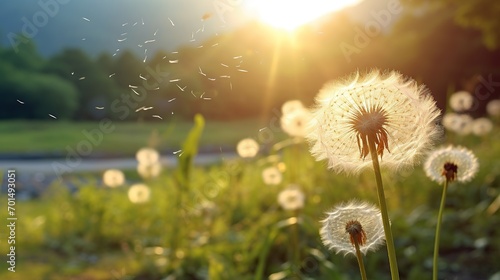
382 115
461 101
464 124
493 108
451 164
450 121
295 123
446 165
147 156
393 112
482 126
353 227
139 193
247 148
272 176
291 198
113 178
291 106
148 171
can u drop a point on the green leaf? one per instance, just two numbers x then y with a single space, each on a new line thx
189 150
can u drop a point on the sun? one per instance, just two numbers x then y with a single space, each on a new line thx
290 14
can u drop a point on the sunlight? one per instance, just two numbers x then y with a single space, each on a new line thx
289 15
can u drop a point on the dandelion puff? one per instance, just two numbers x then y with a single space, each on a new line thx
291 198
113 178
451 121
139 193
148 171
452 164
464 124
353 220
291 106
461 101
272 176
247 148
493 108
147 156
397 114
295 123
482 126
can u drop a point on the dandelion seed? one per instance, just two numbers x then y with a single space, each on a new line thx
201 96
52 116
272 176
493 108
193 93
111 75
171 22
140 76
461 101
139 193
173 61
156 116
147 156
123 34
225 65
482 126
242 70
135 23
176 152
83 39
121 40
201 72
207 98
154 34
247 148
81 78
86 19
291 198
211 79
145 58
225 76
353 222
295 123
136 93
174 80
215 45
199 47
113 178
21 102
149 41
392 112
175 52
231 85
452 164
237 57
132 86
181 88
99 108
174 98
142 20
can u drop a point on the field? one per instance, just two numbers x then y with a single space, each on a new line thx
223 221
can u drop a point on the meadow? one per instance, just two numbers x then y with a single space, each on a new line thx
223 221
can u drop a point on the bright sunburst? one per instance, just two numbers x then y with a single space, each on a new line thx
288 14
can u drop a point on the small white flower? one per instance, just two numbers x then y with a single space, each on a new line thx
247 148
451 163
493 108
295 123
148 171
291 106
139 193
113 178
291 198
396 113
350 222
461 101
482 126
147 156
272 176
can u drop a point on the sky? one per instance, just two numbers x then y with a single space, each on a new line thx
108 25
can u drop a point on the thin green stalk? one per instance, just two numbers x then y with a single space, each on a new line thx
389 241
438 231
360 260
295 242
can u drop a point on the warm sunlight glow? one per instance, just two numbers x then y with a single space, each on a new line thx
289 14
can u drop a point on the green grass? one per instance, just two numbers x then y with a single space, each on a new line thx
125 138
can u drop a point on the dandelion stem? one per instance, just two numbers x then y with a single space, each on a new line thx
438 231
295 242
383 209
360 260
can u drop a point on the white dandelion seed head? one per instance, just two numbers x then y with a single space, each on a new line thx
291 198
247 148
295 123
464 124
401 114
148 171
272 176
493 108
450 121
291 106
482 126
463 164
139 193
147 156
333 232
461 101
113 178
